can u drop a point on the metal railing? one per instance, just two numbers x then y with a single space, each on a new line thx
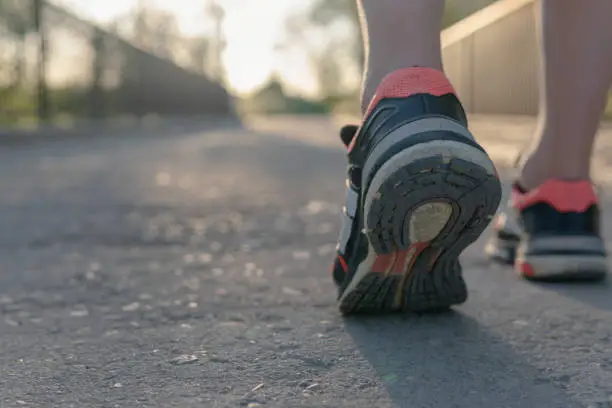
55 65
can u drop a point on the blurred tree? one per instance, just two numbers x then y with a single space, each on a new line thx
329 72
329 33
16 22
152 29
272 99
457 10
198 50
325 12
157 30
16 16
216 14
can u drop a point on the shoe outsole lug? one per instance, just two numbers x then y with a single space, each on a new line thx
434 279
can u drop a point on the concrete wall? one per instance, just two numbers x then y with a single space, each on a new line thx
492 58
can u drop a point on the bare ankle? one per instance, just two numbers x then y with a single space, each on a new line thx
536 169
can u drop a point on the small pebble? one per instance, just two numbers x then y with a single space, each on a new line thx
205 258
257 387
312 387
301 255
79 313
5 300
184 359
11 322
291 291
132 307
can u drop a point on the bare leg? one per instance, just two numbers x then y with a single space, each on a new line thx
399 34
576 77
558 238
412 157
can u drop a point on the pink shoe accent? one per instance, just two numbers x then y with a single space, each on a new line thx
406 82
564 196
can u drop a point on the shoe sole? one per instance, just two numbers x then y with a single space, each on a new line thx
424 206
554 266
559 268
562 259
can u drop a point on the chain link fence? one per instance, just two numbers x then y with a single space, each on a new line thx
55 66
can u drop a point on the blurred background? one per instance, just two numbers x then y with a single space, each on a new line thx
68 60
181 257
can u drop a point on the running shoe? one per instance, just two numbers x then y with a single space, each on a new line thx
551 233
419 190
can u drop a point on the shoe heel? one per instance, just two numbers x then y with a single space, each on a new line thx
439 196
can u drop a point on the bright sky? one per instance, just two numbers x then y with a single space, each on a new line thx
252 29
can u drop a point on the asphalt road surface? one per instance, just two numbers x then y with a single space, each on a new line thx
193 271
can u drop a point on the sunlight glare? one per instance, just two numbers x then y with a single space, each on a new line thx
253 29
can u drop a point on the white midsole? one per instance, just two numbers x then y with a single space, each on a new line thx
430 124
560 243
551 265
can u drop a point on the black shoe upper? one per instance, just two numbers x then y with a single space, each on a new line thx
543 220
392 113
384 118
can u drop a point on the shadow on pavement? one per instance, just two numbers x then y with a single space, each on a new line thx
595 294
449 360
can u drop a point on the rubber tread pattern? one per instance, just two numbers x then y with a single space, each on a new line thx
435 281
